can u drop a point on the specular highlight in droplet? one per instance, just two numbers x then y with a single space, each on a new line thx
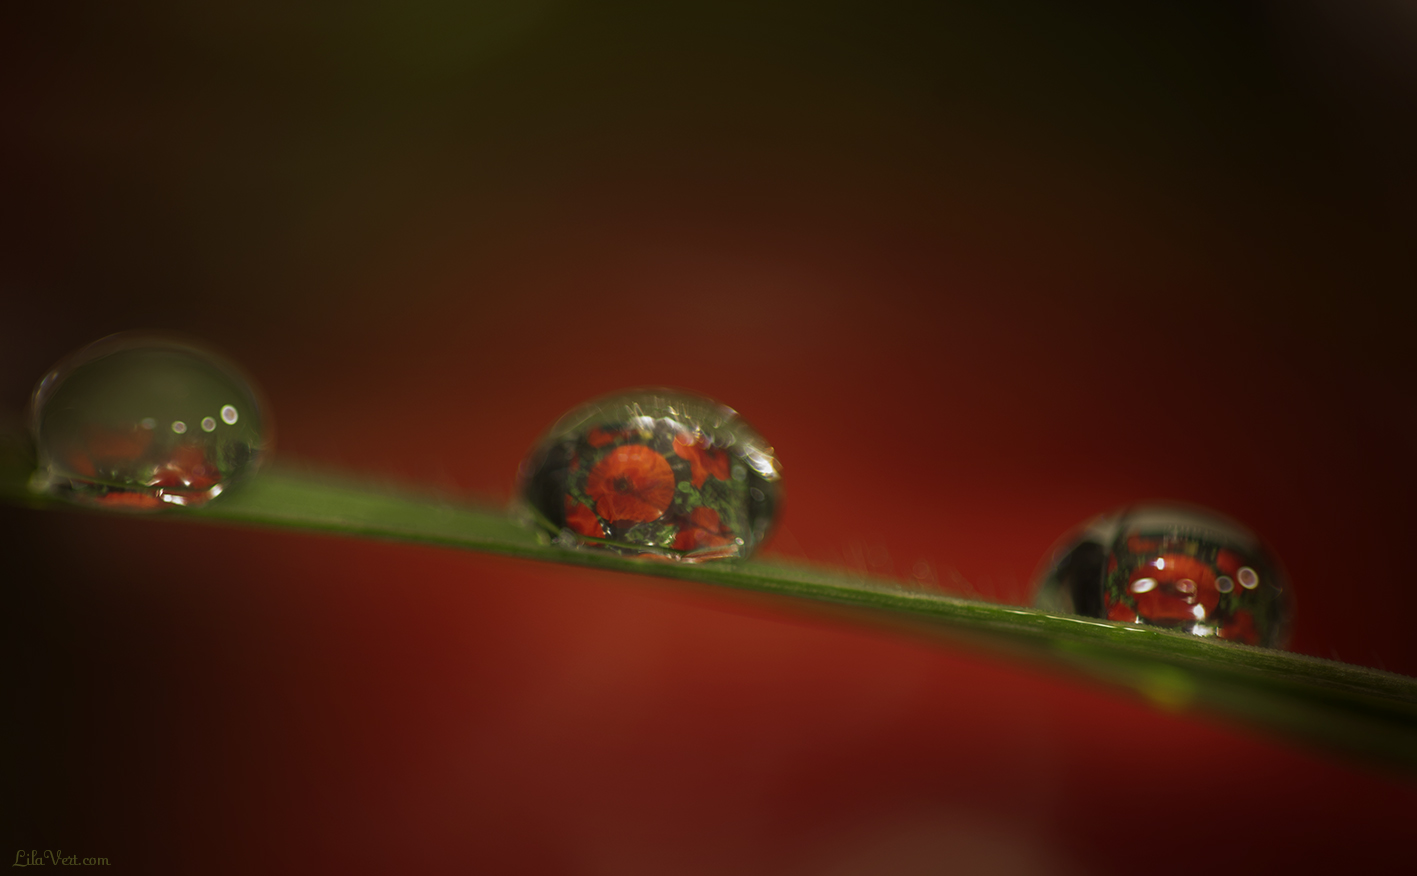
137 422
1171 566
653 473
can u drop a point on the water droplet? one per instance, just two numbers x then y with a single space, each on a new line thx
1170 566
229 415
95 421
654 473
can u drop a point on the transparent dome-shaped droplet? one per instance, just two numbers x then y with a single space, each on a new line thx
655 473
1171 566
135 422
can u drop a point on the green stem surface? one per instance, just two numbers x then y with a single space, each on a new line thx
1353 710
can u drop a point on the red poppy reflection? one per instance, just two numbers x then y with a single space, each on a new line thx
118 445
631 484
1229 562
107 449
582 520
703 460
703 529
1241 628
125 499
598 437
1174 587
1120 611
188 468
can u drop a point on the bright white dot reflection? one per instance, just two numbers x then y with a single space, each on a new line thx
179 427
228 415
208 424
1159 563
1248 579
1143 585
1202 630
1199 612
1224 584
148 423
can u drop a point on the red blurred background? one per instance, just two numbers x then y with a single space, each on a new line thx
978 272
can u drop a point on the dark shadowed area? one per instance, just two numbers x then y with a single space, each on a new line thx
979 272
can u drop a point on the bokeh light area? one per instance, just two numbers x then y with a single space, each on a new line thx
978 272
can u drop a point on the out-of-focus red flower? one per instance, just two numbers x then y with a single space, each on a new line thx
1120 611
1182 583
1241 628
581 519
632 483
703 460
188 468
703 529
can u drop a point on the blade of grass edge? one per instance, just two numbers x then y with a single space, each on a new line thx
1362 712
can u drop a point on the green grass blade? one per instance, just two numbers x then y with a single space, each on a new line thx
1355 710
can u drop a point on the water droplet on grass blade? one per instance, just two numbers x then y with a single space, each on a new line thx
654 473
1170 566
96 415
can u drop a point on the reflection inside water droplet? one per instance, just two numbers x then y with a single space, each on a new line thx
1170 566
95 420
653 473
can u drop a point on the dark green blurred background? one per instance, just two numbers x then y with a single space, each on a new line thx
980 271
262 164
